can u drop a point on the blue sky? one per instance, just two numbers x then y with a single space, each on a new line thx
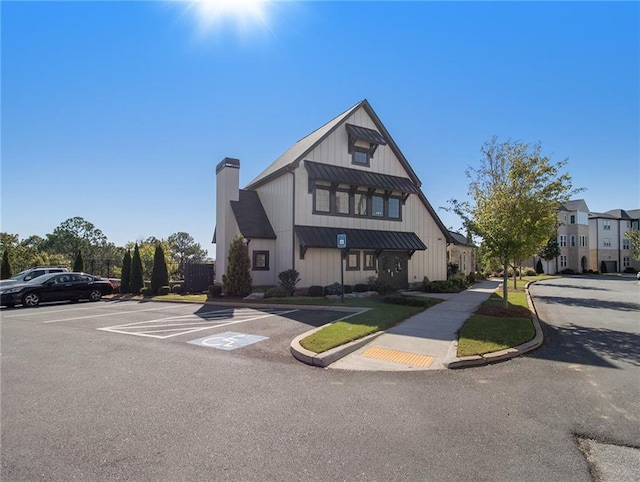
127 107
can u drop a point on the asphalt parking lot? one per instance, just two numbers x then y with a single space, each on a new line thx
222 330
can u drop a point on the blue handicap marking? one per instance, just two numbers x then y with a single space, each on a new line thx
229 340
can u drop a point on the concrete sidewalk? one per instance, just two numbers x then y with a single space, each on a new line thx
426 341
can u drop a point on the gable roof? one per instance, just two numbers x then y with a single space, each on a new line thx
296 153
460 239
251 217
575 205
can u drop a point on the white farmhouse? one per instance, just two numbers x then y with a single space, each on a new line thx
350 178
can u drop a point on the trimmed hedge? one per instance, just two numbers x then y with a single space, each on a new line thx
277 292
316 291
215 291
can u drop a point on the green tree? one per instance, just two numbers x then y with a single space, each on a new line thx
237 280
5 269
76 234
125 277
136 281
160 275
634 239
515 192
78 265
183 249
539 268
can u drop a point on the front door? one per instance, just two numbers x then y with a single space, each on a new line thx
392 269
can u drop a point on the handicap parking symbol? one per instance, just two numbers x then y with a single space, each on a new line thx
228 340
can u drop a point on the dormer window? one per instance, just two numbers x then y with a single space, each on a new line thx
360 156
363 143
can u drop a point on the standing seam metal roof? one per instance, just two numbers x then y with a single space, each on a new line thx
325 237
344 175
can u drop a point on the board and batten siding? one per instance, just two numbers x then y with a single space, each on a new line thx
322 266
276 197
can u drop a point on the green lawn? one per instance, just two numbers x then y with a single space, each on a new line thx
494 327
381 316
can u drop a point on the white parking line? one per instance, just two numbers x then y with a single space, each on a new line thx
160 326
115 313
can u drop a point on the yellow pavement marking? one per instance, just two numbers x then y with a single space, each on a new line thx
396 356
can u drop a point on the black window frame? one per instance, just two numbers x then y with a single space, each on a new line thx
315 199
361 150
254 257
333 200
366 267
356 257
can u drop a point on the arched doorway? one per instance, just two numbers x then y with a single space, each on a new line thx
583 264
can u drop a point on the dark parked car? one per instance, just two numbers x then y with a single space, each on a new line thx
56 287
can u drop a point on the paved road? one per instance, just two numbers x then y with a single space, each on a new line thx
82 403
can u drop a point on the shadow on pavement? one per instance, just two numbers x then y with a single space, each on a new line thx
589 346
584 302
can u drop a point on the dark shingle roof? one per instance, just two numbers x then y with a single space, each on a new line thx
251 217
344 175
323 237
460 239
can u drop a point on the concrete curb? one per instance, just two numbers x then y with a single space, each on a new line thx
452 361
326 358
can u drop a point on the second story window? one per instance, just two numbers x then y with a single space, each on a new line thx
606 225
394 208
606 242
572 240
360 204
563 241
572 219
323 200
377 206
625 243
342 202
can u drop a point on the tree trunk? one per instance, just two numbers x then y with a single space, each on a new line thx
505 288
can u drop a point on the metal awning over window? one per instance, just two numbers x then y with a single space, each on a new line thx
357 177
357 133
375 240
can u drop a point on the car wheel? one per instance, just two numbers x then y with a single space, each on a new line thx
31 299
95 295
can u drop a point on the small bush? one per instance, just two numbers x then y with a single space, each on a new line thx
539 268
567 271
380 286
316 291
215 291
177 289
276 292
334 289
361 288
471 278
146 292
288 280
630 269
530 272
348 289
164 290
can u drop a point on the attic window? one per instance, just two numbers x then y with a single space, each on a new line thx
368 141
360 156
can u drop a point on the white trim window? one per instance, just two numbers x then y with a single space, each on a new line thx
606 242
606 225
563 241
563 261
625 243
626 261
572 240
583 241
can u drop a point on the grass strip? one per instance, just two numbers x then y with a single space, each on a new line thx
485 334
382 316
495 327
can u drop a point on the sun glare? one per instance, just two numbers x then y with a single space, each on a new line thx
212 15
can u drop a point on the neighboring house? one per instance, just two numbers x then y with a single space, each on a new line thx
588 239
347 177
573 237
608 243
461 252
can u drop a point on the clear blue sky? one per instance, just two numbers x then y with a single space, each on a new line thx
118 112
